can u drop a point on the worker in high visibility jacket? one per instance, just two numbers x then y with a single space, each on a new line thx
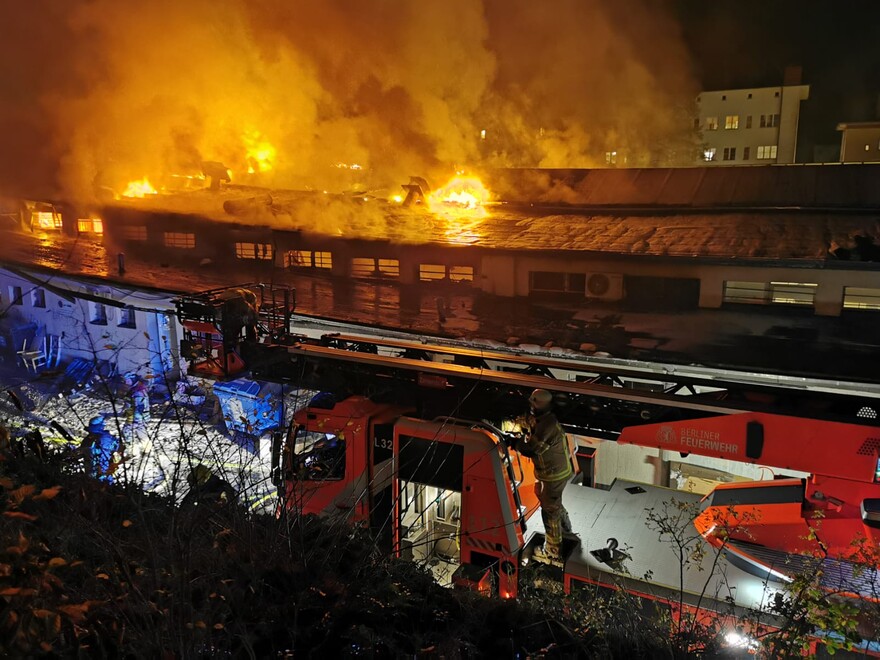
545 443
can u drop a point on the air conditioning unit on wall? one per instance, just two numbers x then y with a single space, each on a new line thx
605 286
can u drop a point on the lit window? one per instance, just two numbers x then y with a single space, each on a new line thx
46 218
768 152
432 272
861 298
711 123
747 151
731 122
15 295
180 239
97 313
461 273
867 147
261 251
793 293
323 260
127 318
610 157
729 153
38 298
298 259
389 268
709 154
134 233
90 225
363 267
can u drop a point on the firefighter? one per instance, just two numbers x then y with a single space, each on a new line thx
545 443
103 450
207 489
241 309
139 400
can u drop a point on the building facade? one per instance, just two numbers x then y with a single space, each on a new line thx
66 318
860 142
757 126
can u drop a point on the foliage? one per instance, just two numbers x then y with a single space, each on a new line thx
91 569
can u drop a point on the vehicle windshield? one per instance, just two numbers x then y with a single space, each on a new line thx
318 456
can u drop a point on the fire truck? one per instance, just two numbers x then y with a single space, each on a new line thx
406 438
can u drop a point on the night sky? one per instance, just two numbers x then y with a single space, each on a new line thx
748 43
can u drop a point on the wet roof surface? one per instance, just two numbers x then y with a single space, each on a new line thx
767 234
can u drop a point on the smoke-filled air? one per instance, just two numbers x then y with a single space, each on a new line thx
330 94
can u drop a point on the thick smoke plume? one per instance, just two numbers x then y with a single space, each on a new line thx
291 93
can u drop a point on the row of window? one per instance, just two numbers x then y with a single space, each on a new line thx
796 293
767 152
731 122
724 96
360 266
98 313
37 296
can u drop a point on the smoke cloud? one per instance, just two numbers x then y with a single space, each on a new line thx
292 93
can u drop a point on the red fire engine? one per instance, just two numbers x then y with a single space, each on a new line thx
452 491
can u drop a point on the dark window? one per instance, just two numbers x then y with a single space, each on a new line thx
432 463
748 121
127 318
16 295
747 151
769 494
38 298
544 281
98 313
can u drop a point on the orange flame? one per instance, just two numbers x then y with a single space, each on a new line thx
140 188
260 152
463 195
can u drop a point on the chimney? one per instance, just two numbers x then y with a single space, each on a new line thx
792 75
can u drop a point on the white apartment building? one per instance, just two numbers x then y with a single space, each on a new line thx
756 126
860 142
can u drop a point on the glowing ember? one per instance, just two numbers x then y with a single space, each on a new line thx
260 153
140 188
463 193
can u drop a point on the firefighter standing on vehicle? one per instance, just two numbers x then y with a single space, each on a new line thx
546 444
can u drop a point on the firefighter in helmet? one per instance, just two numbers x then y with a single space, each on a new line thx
545 443
103 451
207 489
